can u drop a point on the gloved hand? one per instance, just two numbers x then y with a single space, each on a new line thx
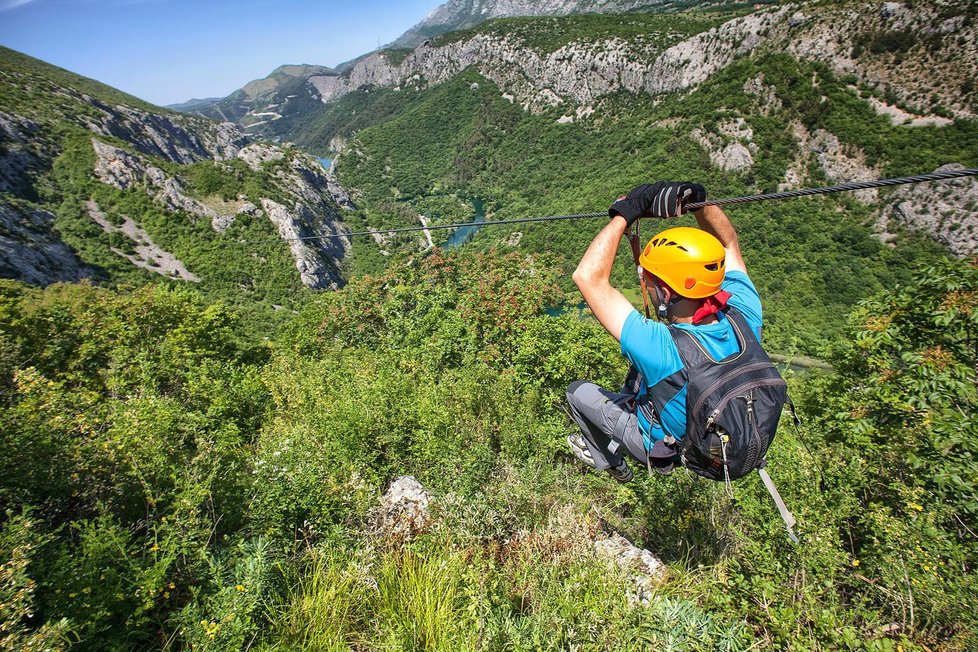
660 199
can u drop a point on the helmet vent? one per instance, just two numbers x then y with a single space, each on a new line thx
683 248
713 266
662 242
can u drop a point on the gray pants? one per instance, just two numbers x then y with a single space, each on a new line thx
609 427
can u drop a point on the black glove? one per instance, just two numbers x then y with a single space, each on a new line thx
660 199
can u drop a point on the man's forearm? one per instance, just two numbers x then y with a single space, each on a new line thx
595 265
715 222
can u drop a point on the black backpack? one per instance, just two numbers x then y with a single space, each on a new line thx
733 407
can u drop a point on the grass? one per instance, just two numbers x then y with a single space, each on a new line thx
539 588
322 605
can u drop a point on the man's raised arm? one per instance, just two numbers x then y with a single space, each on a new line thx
715 222
593 273
593 278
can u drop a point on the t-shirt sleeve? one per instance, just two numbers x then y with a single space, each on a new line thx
745 297
646 343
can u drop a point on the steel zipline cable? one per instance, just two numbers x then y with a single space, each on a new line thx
788 194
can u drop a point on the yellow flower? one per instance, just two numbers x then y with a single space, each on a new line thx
241 588
154 548
71 595
855 563
172 585
166 594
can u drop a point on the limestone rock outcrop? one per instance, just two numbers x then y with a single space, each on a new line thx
645 570
947 211
31 252
403 511
309 224
581 72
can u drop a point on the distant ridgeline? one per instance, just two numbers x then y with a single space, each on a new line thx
98 185
550 115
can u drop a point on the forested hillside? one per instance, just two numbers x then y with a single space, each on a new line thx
463 140
166 485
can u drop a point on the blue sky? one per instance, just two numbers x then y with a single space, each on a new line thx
169 51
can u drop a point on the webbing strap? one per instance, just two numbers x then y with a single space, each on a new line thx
618 434
786 516
636 243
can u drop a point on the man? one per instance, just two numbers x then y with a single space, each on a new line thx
693 274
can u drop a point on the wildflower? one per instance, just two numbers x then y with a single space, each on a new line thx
154 548
72 595
166 594
172 585
240 588
86 590
855 563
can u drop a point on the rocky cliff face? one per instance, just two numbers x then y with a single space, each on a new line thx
948 211
859 39
307 224
577 73
130 146
30 250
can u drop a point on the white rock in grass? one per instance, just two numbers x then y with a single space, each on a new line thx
403 510
645 570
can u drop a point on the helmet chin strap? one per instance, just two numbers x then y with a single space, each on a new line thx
664 299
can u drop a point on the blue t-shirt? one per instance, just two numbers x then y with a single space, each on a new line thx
649 346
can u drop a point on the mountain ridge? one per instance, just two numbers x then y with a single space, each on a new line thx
865 41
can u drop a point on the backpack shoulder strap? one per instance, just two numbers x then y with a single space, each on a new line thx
745 334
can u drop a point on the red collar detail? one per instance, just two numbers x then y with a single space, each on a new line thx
711 306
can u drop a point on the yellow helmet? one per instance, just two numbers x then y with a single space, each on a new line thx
688 260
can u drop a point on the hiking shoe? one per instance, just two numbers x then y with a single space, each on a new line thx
579 448
622 472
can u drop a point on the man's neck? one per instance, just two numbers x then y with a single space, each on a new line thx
683 311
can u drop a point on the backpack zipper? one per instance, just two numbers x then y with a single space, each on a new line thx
721 380
763 382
